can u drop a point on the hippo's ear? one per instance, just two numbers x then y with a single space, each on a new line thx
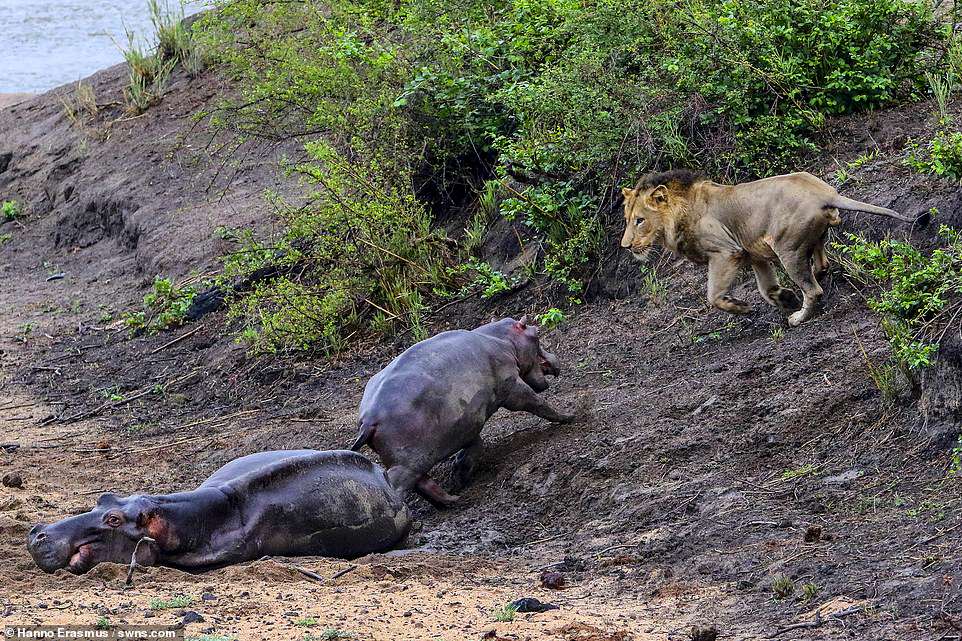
525 320
108 499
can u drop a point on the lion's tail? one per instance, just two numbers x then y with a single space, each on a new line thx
841 202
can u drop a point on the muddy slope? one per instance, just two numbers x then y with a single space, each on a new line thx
716 453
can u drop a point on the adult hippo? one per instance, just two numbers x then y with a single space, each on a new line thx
433 400
284 503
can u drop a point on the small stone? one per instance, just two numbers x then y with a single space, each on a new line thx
12 479
552 580
192 617
207 596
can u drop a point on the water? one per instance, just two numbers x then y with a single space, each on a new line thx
47 43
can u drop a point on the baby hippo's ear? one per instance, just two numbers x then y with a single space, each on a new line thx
525 321
107 499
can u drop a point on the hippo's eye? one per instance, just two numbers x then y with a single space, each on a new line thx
113 520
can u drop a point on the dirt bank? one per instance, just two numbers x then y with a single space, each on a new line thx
719 453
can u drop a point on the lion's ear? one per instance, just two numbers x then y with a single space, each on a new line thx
658 197
628 193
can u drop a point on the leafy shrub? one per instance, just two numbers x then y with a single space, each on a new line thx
550 104
941 156
913 288
11 210
165 306
551 318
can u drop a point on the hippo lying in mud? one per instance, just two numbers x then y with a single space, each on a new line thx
283 503
433 400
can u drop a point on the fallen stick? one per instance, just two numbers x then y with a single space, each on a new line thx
133 559
178 339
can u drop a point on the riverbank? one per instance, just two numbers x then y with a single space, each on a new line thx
10 99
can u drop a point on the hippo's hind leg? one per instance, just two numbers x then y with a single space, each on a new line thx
430 490
404 478
466 461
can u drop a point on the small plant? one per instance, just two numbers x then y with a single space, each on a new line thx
490 281
809 591
103 623
798 472
782 587
778 333
505 613
80 107
955 458
550 318
332 634
165 306
172 603
11 210
941 156
5 238
652 285
174 40
306 622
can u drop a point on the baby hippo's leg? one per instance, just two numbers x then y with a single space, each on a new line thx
430 490
522 398
466 461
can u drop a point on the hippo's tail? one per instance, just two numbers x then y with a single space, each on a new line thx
367 432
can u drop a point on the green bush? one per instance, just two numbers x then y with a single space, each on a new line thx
553 103
941 156
11 210
165 306
913 289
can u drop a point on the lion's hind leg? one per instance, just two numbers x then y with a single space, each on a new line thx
798 265
781 297
820 258
722 269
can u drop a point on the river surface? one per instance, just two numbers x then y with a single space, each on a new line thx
47 43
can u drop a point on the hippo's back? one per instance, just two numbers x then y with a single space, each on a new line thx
309 502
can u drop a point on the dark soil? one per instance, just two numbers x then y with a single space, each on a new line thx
716 453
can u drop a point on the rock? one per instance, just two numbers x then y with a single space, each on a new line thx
813 534
529 604
704 634
552 580
12 479
9 448
207 596
192 617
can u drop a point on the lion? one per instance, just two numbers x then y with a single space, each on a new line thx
784 218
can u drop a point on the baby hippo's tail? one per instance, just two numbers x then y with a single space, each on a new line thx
367 432
841 202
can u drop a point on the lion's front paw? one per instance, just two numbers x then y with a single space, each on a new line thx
797 318
733 305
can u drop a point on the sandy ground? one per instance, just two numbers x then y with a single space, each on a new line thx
10 99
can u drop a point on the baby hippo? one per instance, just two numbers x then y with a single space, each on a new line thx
433 400
281 503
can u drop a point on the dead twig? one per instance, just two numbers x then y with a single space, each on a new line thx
177 340
133 559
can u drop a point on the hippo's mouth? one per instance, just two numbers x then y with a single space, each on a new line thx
81 560
547 367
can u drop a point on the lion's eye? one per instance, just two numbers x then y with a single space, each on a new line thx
113 520
639 222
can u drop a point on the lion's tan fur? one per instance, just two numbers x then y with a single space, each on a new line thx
782 218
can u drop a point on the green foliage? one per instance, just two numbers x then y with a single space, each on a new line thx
487 280
103 623
548 104
941 156
150 65
164 307
955 458
306 622
11 210
550 318
172 603
504 613
809 591
913 290
782 587
5 238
